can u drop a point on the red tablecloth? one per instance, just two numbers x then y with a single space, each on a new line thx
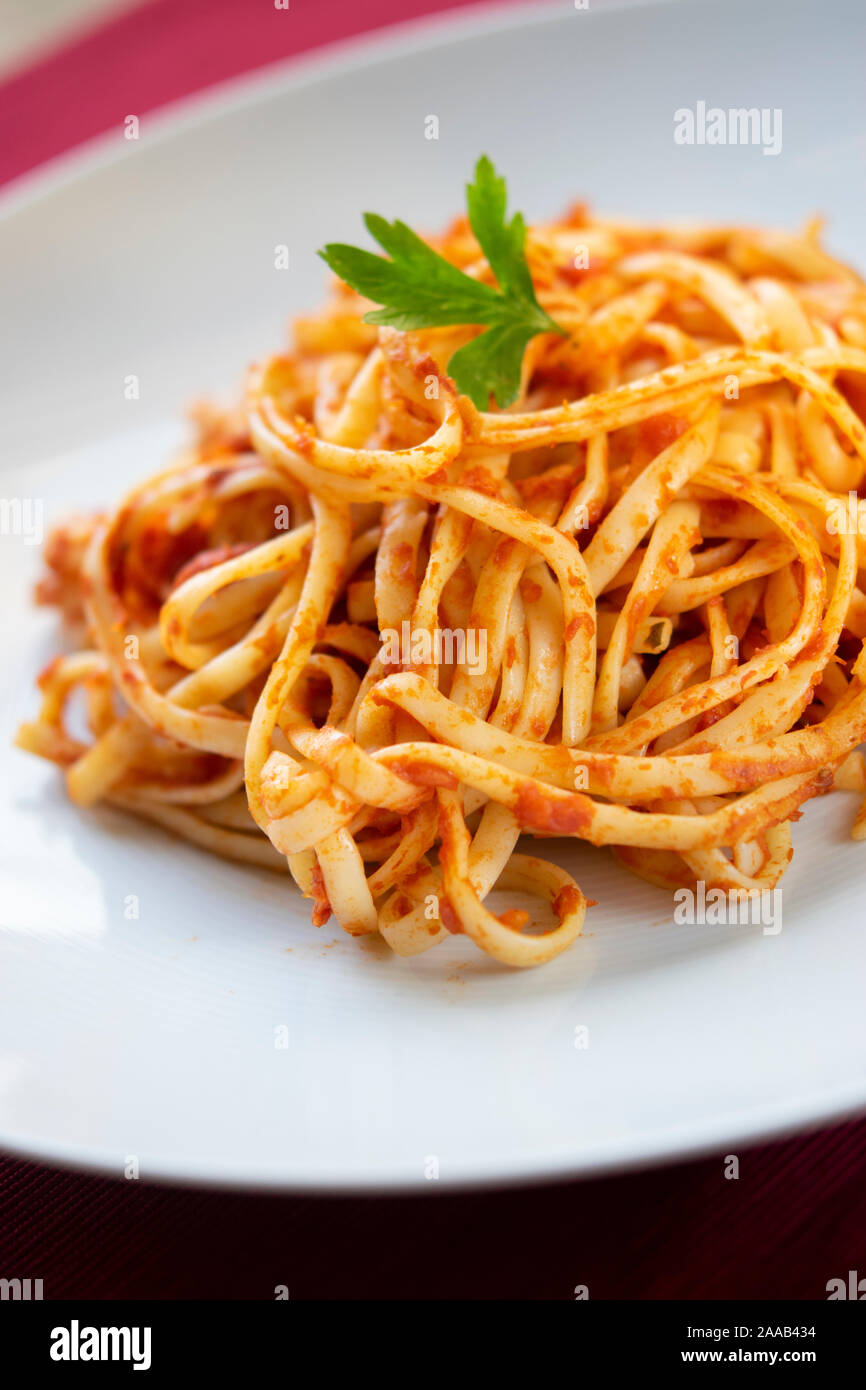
794 1219
161 51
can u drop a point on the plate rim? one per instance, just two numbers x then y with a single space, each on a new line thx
327 60
663 1148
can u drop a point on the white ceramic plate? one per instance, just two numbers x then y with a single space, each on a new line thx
154 1037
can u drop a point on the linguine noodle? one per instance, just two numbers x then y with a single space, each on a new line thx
370 633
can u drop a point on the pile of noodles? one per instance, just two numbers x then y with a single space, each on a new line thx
659 542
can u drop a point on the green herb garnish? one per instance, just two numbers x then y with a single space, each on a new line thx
418 288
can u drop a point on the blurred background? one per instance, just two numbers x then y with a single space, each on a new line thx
27 28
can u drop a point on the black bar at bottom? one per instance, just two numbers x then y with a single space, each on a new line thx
156 1338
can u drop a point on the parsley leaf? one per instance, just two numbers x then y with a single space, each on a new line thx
418 288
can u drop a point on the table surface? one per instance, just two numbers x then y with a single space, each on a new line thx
795 1216
793 1219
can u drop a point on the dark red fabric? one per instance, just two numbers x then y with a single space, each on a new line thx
794 1219
796 1216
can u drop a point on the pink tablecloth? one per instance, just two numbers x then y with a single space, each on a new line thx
161 51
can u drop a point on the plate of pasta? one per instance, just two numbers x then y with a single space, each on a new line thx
440 760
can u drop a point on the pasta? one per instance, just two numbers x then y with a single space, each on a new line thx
371 634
